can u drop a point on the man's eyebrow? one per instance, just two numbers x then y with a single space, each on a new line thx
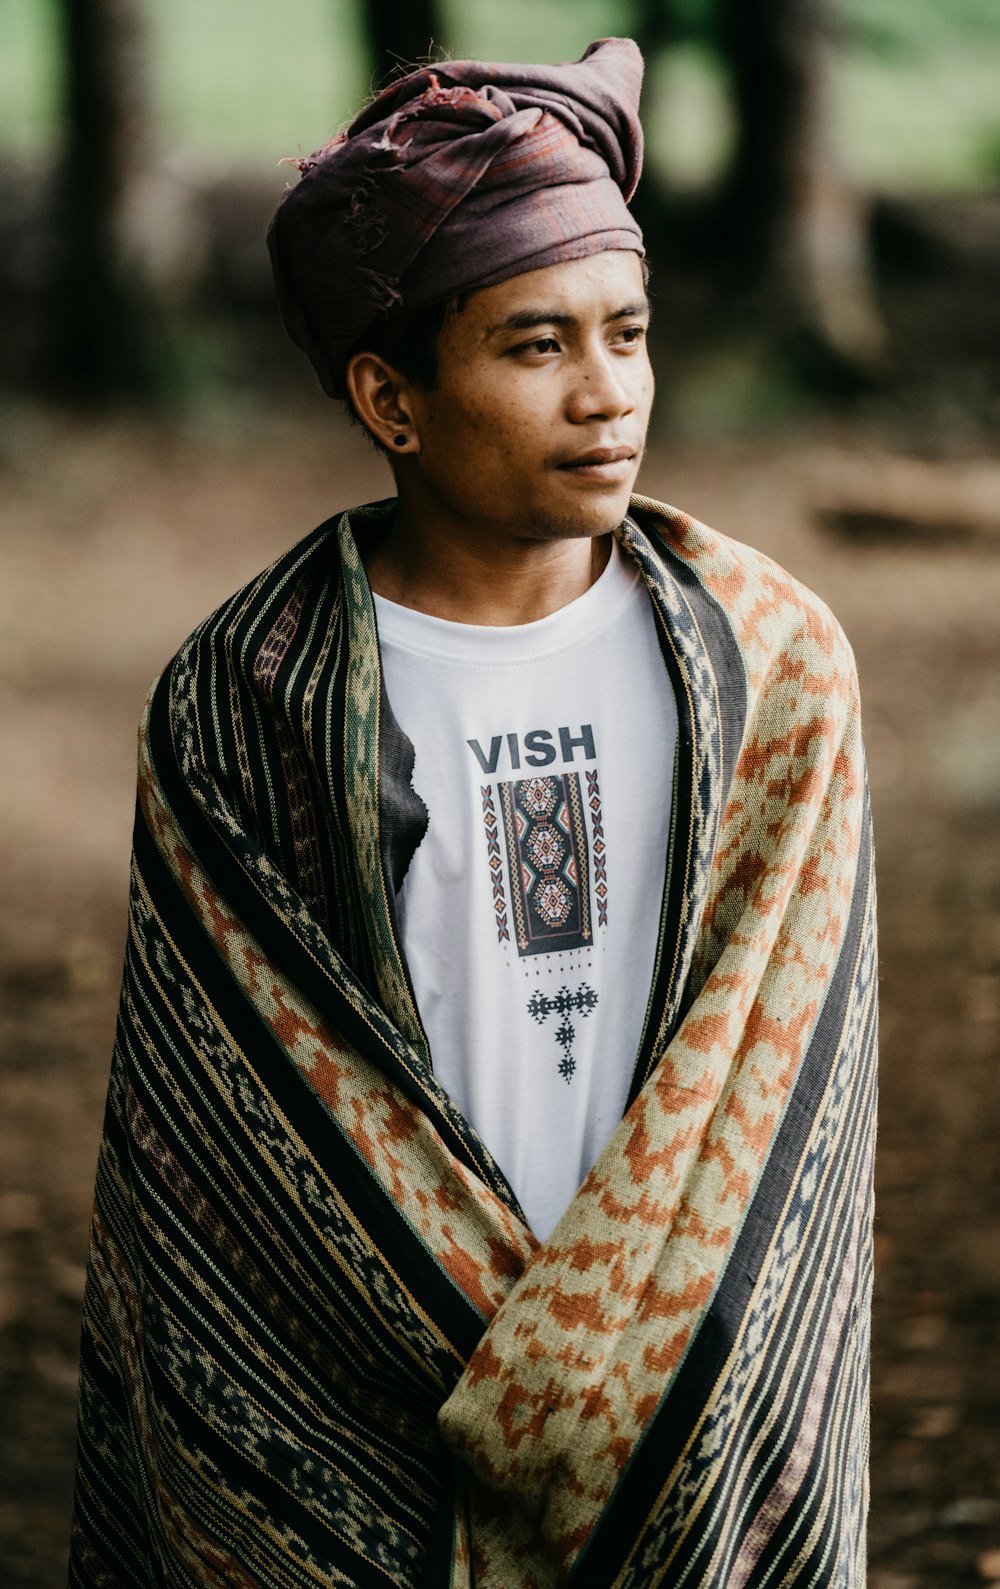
631 311
530 319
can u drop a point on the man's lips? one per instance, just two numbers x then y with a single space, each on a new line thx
600 463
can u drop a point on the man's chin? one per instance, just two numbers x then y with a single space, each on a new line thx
595 519
593 514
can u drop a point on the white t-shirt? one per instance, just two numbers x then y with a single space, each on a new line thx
530 910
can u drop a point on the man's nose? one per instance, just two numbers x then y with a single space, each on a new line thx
600 388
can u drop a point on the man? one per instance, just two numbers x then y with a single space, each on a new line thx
485 1193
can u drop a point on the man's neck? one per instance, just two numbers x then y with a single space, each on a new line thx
485 579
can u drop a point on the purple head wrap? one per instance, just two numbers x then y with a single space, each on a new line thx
457 176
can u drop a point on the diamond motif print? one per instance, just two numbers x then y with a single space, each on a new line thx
600 848
496 863
548 863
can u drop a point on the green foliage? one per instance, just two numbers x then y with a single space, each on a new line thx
28 75
237 75
925 124
686 116
689 21
256 80
735 387
921 30
549 30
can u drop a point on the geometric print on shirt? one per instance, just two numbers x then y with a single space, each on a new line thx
548 863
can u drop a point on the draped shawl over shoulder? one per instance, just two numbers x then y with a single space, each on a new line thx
321 1346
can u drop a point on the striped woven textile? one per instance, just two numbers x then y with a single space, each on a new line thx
321 1346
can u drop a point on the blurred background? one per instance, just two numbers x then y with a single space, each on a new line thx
822 207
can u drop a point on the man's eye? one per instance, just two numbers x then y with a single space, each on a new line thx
539 345
632 334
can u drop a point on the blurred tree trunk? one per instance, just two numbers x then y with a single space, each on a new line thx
99 320
799 226
400 33
653 26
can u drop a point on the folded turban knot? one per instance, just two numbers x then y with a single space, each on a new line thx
456 177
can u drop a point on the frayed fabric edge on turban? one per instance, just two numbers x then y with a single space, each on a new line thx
456 177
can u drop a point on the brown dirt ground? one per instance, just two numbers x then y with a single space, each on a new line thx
117 538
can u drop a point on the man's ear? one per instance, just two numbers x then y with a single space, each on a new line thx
380 397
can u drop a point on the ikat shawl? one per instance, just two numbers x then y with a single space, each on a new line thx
321 1346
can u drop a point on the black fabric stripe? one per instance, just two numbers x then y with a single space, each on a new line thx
292 1094
721 645
726 661
607 1549
354 1013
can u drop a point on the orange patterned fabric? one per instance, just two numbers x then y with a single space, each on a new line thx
564 1385
321 1344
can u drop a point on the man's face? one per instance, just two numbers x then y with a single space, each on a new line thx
536 425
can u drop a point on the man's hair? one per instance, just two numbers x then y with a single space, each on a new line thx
408 340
